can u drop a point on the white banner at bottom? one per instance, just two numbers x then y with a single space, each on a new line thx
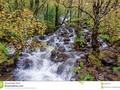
82 85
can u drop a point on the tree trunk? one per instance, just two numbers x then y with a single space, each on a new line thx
31 4
16 4
56 15
37 7
70 15
79 15
47 16
95 44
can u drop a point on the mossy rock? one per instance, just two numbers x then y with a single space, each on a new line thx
93 60
101 55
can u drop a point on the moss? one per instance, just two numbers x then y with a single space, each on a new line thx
93 60
101 55
118 61
2 58
104 37
79 41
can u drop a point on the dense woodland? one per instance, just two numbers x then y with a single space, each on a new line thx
21 20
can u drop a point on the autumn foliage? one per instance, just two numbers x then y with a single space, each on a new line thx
18 26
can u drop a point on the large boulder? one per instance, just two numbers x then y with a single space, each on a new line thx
112 77
58 56
26 64
66 39
64 34
60 69
61 48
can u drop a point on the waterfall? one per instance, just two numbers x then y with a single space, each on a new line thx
37 65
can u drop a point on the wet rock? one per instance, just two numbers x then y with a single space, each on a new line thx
60 69
109 53
64 34
109 62
84 57
95 73
117 73
100 69
1 68
26 64
85 26
66 42
61 48
5 64
75 78
4 67
108 69
71 35
58 56
42 49
100 77
70 45
58 45
9 69
112 77
52 39
69 62
70 30
77 63
66 39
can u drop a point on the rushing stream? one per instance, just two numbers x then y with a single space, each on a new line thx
37 65
55 61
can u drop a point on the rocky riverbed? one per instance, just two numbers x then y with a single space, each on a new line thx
55 60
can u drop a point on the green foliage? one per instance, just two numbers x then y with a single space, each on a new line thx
115 38
101 55
75 69
111 26
88 77
18 26
91 24
50 15
104 37
80 33
2 58
4 54
118 61
3 49
79 41
96 60
81 64
116 68
10 61
93 60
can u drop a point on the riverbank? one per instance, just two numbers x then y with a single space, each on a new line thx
7 77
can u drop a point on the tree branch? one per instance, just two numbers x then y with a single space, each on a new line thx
87 13
40 6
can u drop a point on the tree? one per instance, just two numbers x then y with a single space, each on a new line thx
31 4
18 26
100 8
70 2
80 2
56 10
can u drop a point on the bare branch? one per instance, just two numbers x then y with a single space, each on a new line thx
87 13
106 7
40 6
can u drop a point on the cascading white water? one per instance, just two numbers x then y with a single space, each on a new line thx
37 65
